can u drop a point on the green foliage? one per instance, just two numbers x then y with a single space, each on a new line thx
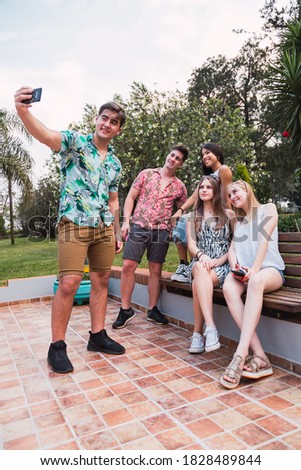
285 86
242 173
289 223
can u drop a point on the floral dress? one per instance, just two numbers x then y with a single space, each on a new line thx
214 243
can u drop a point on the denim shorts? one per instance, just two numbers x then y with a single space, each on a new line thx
179 232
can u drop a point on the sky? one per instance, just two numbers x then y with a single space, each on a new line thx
85 51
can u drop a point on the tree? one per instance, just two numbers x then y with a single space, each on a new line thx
15 161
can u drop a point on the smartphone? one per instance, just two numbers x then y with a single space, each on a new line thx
238 272
36 96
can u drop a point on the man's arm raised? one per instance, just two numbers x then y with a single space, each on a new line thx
36 128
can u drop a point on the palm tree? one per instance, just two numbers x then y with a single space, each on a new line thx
15 161
286 86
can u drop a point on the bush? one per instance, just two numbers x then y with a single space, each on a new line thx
289 222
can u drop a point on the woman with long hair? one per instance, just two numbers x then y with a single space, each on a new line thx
212 163
208 234
259 267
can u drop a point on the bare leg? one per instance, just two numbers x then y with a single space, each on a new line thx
127 282
233 291
197 312
266 280
98 299
62 305
204 282
154 286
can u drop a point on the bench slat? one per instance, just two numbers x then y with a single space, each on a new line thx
290 236
289 248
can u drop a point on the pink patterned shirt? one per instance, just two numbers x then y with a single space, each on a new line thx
154 208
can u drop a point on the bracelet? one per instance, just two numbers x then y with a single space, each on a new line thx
198 257
180 209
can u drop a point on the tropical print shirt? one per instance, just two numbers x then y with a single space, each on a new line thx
86 181
154 207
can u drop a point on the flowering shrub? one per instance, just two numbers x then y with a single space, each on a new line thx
86 273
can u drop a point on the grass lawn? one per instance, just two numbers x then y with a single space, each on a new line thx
29 259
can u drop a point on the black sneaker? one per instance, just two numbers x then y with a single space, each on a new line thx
101 342
58 359
123 318
155 315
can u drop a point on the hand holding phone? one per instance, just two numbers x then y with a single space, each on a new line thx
35 96
239 272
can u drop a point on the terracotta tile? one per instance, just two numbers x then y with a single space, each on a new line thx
292 394
49 421
23 443
107 405
186 414
293 440
73 400
224 441
71 445
232 399
186 371
79 413
209 406
204 428
193 394
157 368
275 445
10 416
17 429
56 435
229 419
253 411
293 414
147 443
93 383
276 425
200 379
99 393
252 435
158 423
129 432
275 402
123 387
100 441
132 398
168 376
146 382
116 417
88 426
171 401
141 411
172 441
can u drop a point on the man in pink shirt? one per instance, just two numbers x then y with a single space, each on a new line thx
156 191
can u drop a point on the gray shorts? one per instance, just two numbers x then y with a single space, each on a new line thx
155 241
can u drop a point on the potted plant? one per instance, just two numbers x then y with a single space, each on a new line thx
83 292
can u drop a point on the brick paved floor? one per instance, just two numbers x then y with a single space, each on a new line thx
156 396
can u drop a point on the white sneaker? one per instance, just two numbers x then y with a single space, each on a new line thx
181 274
211 339
197 344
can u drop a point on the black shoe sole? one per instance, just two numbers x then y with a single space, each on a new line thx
67 371
158 322
103 350
122 326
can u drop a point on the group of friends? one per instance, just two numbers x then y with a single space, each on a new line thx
231 238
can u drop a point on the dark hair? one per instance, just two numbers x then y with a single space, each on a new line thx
217 151
112 106
217 205
184 150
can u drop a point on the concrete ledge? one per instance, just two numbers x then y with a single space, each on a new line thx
27 289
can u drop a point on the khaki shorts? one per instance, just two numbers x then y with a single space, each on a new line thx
76 243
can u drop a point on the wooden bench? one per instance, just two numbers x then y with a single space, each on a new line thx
284 303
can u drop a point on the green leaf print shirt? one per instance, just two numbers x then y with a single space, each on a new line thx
86 181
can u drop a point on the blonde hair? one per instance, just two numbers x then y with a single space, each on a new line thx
251 199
